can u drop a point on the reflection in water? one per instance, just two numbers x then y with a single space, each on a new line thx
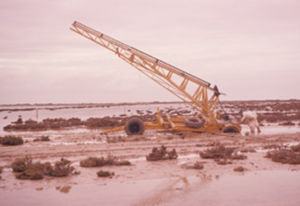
257 188
273 129
278 188
166 191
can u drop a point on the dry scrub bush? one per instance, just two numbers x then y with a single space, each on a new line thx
287 123
99 162
21 164
103 122
11 140
221 154
42 139
161 154
273 146
284 156
1 169
239 169
60 123
103 173
296 148
197 165
61 168
248 150
26 169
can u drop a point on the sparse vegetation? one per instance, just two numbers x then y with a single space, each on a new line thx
284 156
1 169
103 122
95 162
29 169
122 163
248 150
42 139
11 140
272 146
99 162
287 123
296 148
270 111
46 124
61 168
222 155
32 173
161 154
279 116
239 169
26 169
103 173
198 165
217 152
60 123
21 164
223 161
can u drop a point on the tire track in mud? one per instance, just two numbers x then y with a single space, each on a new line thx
136 149
121 150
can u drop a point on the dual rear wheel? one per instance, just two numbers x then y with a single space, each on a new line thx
135 125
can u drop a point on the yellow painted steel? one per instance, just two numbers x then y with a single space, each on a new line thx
177 124
201 96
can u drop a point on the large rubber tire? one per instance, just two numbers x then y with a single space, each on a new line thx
193 123
231 129
134 126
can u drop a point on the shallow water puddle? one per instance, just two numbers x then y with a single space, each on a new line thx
278 188
123 193
273 129
253 188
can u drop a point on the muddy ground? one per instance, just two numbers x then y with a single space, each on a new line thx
80 145
153 182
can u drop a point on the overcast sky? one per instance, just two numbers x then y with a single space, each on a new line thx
249 48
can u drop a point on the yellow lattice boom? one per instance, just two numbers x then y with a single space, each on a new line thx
194 91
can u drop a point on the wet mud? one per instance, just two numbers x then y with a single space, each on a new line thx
195 165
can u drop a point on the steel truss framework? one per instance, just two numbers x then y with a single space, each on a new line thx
204 98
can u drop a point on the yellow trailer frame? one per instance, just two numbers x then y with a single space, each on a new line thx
177 124
194 91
